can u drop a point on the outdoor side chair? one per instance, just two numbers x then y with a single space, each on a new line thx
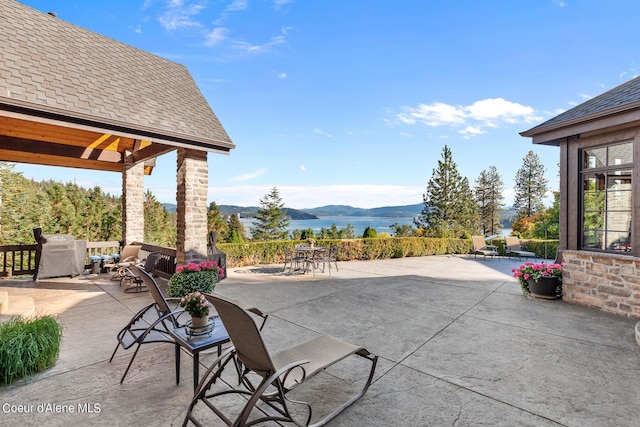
278 373
150 324
292 259
480 247
513 247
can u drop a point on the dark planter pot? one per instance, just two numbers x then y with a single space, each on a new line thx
544 288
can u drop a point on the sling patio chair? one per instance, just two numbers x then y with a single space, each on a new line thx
277 374
129 256
151 323
480 247
513 247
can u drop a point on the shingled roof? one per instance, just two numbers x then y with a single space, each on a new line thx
59 72
623 102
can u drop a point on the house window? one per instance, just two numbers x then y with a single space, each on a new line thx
607 197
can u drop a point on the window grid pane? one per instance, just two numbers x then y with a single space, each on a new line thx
607 198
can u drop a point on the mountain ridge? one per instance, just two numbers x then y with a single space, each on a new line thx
329 210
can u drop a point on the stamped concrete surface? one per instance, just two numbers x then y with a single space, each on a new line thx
458 343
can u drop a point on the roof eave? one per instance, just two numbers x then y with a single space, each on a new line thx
47 114
552 134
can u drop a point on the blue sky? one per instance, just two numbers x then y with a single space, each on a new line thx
352 102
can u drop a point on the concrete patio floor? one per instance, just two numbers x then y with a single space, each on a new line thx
458 344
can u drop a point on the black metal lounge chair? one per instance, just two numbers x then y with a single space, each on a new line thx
149 325
279 373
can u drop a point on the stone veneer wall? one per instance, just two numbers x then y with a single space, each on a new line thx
192 188
606 281
133 202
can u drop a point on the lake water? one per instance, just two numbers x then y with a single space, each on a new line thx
381 224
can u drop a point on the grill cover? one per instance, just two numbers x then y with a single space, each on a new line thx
59 255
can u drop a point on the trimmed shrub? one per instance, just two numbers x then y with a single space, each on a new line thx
272 252
28 346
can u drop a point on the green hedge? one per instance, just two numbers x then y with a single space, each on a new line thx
255 253
532 245
28 346
239 255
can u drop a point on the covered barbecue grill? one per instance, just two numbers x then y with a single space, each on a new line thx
58 255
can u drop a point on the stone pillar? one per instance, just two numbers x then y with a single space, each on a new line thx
192 187
132 202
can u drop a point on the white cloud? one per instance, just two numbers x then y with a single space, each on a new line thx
216 36
237 5
180 15
248 176
281 76
322 133
303 168
474 118
259 48
279 3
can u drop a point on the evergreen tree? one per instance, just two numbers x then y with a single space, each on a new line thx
24 206
158 227
271 219
450 209
369 232
489 188
216 222
63 211
531 186
236 232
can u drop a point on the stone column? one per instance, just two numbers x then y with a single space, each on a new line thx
132 201
192 186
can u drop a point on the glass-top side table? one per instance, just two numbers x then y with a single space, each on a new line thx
194 344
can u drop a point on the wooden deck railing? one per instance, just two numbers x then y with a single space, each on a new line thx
18 260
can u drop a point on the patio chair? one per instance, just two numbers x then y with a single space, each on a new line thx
480 247
331 256
136 282
513 247
279 373
129 256
291 258
150 324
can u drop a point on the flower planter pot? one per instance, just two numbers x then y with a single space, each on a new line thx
544 287
199 322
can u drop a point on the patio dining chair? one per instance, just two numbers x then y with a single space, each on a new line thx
480 247
291 258
278 373
151 323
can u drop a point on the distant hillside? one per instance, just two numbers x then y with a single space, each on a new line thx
249 212
506 215
386 211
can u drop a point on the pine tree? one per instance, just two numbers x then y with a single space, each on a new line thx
24 206
158 227
531 186
216 222
271 219
450 209
236 232
489 188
